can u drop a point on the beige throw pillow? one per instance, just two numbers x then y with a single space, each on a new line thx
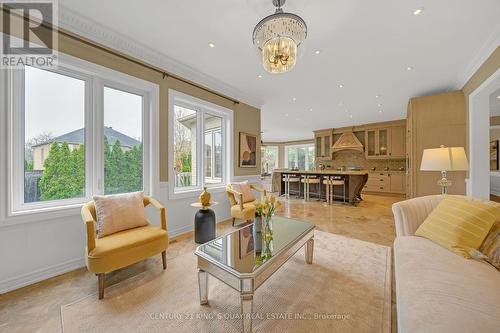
245 189
491 246
119 212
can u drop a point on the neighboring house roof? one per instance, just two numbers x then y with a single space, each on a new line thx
77 137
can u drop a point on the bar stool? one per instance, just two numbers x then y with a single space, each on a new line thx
330 182
288 179
307 180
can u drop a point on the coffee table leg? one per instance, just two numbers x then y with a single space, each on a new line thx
246 311
309 250
203 286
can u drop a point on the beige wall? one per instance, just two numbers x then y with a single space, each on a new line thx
246 117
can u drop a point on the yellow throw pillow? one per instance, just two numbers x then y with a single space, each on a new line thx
460 223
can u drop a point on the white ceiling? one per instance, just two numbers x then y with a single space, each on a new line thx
365 45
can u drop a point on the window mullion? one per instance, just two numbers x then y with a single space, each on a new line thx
201 147
97 129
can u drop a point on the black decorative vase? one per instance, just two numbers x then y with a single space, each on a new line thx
204 226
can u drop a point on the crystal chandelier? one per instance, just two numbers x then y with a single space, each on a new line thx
277 37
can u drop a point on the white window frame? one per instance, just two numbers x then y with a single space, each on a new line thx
305 145
201 107
95 77
277 148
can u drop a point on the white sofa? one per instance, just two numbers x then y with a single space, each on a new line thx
436 289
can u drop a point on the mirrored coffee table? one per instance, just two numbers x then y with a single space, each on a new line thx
244 259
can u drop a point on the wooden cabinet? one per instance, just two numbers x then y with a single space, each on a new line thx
323 144
383 143
433 121
389 182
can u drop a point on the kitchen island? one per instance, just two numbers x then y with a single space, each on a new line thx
354 180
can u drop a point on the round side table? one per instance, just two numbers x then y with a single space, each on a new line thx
204 223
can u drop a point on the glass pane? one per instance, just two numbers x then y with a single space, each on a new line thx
292 157
327 146
218 154
184 147
310 158
54 136
371 143
269 159
383 140
301 153
123 150
213 149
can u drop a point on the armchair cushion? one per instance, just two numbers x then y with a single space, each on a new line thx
248 212
126 247
119 212
245 189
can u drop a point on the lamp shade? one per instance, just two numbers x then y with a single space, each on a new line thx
444 159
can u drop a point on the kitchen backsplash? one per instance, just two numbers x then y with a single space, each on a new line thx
357 159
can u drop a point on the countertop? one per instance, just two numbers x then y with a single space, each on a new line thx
324 172
338 172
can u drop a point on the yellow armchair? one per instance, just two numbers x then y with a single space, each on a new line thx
242 210
123 248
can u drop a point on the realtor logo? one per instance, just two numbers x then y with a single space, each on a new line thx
29 35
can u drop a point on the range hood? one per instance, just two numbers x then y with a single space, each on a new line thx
347 141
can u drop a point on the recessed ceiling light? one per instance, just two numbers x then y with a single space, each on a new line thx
341 85
350 116
377 96
379 104
294 99
498 97
418 11
212 45
317 52
286 114
259 76
310 109
379 111
409 68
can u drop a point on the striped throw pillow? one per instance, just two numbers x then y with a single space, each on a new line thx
460 223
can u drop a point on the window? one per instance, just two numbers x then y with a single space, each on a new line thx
77 131
300 156
122 146
52 171
270 159
201 133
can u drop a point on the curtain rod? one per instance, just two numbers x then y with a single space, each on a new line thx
98 46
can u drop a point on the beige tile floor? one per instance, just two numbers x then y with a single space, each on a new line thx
36 308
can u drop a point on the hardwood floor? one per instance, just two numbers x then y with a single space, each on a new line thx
37 307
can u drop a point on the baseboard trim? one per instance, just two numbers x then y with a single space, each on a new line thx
40 275
73 264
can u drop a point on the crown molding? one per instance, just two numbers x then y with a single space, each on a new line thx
103 35
480 57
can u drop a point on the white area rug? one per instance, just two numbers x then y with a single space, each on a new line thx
346 289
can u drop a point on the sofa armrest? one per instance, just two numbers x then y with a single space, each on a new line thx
88 219
409 214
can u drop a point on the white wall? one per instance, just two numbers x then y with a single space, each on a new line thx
39 249
479 123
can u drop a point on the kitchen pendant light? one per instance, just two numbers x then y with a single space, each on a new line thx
277 37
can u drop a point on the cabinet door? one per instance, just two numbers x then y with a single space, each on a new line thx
397 142
383 142
397 183
326 147
318 146
370 143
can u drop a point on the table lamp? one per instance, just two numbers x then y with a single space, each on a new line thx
444 159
